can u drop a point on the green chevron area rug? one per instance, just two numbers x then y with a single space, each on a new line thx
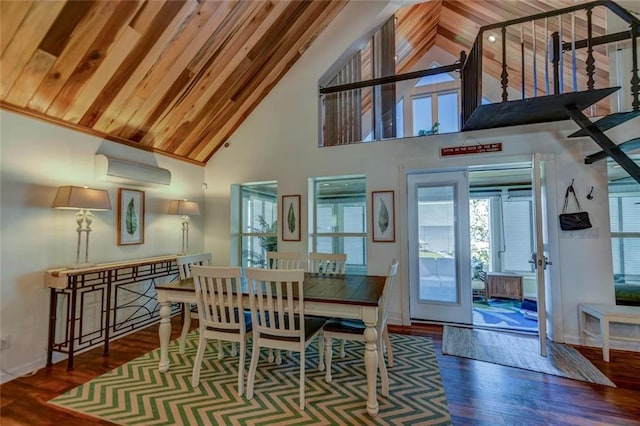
136 393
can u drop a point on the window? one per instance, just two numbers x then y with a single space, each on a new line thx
517 216
339 219
503 239
624 211
436 113
258 224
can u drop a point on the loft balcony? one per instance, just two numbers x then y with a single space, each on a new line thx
578 63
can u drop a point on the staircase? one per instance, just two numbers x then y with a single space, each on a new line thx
541 47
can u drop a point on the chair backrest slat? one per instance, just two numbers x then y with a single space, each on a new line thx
284 260
383 312
185 262
275 296
219 296
328 263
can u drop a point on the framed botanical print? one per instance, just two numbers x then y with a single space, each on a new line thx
290 218
130 217
383 216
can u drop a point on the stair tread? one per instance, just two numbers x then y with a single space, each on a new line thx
629 145
541 109
608 122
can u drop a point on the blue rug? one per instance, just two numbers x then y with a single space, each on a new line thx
505 314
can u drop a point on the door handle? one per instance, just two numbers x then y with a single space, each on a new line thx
539 262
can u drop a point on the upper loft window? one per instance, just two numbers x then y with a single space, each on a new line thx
428 80
364 98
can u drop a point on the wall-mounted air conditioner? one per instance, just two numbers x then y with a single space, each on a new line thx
124 171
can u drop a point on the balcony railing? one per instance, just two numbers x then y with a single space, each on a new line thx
567 50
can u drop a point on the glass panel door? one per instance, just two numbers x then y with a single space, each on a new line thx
439 253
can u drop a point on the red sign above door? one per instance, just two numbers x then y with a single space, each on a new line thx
471 149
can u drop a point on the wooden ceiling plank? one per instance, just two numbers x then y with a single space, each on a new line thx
119 78
259 55
93 58
159 100
79 41
222 63
118 52
117 114
270 41
212 52
168 70
213 136
12 15
30 78
419 51
224 22
231 29
25 42
58 35
169 95
144 16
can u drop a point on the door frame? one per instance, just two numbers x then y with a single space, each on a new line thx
455 312
553 291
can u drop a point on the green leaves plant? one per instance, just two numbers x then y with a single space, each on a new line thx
131 220
291 219
383 217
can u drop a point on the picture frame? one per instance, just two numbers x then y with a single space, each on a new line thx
383 216
290 218
130 216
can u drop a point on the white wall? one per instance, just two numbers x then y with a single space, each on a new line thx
278 141
37 157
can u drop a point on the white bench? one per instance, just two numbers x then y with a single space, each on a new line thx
607 314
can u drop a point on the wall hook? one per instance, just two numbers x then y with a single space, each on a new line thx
590 194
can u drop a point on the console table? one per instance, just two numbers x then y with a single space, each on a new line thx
93 305
504 284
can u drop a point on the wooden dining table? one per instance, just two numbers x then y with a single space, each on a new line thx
350 296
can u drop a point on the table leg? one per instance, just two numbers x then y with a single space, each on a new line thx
604 334
371 366
582 323
164 332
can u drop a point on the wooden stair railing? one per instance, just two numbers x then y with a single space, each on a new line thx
558 104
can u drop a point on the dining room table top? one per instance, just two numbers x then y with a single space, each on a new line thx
364 290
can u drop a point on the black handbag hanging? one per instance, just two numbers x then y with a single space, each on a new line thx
573 221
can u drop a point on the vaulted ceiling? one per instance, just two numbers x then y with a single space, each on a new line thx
178 77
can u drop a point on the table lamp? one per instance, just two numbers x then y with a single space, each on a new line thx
84 200
184 208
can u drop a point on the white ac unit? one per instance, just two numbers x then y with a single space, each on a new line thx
124 171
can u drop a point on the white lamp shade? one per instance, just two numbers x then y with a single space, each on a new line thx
184 207
76 197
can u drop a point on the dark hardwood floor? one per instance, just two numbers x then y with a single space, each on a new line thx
478 393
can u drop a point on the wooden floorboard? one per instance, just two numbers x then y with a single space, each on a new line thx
478 393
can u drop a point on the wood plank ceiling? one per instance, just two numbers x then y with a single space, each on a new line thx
178 77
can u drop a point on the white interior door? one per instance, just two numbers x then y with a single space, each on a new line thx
541 255
439 247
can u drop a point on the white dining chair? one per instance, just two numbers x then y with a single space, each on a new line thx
278 320
284 260
328 263
354 330
190 312
221 314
